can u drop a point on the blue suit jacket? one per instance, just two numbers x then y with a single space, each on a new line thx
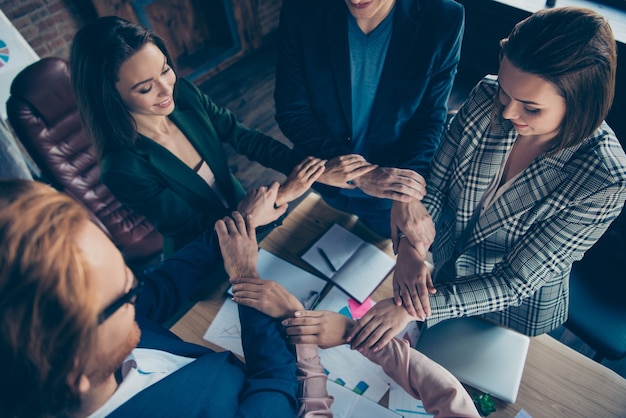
215 384
313 88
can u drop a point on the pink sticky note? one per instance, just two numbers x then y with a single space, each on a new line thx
358 310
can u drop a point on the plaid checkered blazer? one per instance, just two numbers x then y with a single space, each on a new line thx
514 267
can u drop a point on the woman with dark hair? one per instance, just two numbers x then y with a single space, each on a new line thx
527 178
159 139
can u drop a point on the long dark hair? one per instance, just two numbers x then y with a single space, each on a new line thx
98 51
573 49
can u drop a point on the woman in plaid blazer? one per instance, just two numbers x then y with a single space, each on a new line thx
527 178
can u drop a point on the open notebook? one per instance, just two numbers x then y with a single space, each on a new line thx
355 266
483 355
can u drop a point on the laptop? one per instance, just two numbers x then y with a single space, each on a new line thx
483 355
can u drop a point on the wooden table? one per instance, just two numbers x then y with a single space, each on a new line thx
557 381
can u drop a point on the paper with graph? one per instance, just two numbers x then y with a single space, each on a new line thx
225 330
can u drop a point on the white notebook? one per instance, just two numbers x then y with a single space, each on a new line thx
303 285
483 355
352 264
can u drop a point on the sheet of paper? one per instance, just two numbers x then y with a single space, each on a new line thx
362 273
305 286
356 266
225 330
354 371
348 404
404 404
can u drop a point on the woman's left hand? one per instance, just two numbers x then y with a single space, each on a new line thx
378 326
258 206
300 180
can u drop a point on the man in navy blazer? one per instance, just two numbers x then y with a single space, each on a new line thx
80 334
370 78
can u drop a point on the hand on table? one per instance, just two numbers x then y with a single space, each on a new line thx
392 183
324 328
412 282
379 326
266 296
238 246
340 170
415 222
258 205
300 180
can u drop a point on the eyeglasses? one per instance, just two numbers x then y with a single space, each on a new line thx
129 297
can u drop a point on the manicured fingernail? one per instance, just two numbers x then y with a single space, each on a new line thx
298 313
285 322
348 339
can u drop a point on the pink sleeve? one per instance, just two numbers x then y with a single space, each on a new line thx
313 397
442 394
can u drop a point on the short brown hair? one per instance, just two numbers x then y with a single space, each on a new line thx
47 322
574 49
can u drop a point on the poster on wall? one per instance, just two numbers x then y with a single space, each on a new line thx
15 54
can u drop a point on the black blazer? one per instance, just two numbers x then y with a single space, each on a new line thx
154 182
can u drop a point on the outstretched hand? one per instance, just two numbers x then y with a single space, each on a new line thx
258 206
324 328
392 183
238 246
300 180
341 171
266 296
378 326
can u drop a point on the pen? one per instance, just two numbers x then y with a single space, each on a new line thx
311 301
327 259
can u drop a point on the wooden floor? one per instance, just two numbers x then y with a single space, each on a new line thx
247 89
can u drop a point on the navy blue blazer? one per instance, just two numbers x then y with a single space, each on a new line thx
313 88
215 384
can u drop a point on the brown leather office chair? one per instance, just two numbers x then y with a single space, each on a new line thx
43 113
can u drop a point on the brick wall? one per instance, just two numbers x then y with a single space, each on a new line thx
269 11
47 25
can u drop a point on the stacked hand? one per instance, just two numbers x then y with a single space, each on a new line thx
343 170
324 328
240 252
415 222
392 183
329 329
378 326
258 206
300 180
412 282
265 296
238 246
411 279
